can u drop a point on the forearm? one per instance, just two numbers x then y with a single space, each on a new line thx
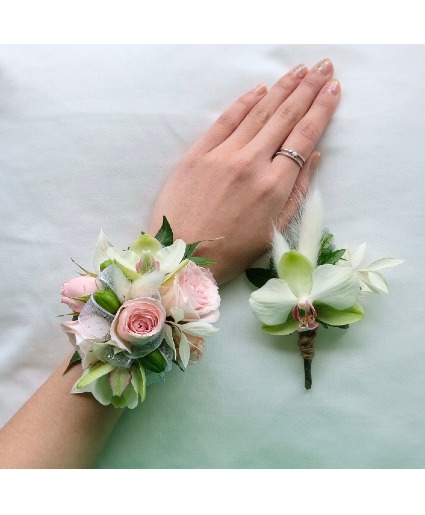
55 429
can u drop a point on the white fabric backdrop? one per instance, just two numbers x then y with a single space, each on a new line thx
87 136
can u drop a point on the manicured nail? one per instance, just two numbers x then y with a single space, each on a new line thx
260 89
324 67
300 71
333 87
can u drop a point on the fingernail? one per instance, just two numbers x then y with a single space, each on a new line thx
324 67
260 89
300 71
315 161
333 87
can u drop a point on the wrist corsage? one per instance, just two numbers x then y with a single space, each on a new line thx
309 283
140 311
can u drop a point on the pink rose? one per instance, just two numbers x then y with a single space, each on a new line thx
138 321
194 290
77 287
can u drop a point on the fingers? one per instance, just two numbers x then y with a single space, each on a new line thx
307 132
229 120
293 109
264 110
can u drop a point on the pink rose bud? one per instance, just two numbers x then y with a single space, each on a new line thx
138 321
194 290
77 287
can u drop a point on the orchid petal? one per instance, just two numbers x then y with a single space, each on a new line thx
138 380
296 270
128 399
102 390
119 379
184 349
273 302
120 284
100 252
94 373
200 328
126 260
146 285
145 243
168 334
287 327
172 273
378 281
335 285
366 284
170 257
358 255
384 263
332 316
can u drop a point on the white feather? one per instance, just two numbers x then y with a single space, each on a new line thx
312 225
280 246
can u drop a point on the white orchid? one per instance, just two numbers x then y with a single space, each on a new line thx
143 268
302 294
371 281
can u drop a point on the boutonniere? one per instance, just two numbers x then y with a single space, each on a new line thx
309 283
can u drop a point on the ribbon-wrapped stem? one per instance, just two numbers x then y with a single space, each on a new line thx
306 345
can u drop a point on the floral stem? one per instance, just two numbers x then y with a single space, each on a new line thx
306 345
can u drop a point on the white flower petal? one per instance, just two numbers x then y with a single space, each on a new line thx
357 256
170 257
378 281
384 263
334 285
177 314
127 258
184 350
100 252
201 329
120 284
146 285
365 284
273 302
169 339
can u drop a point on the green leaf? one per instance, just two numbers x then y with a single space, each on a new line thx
201 261
190 249
331 258
296 270
75 358
96 371
287 327
259 276
165 234
338 317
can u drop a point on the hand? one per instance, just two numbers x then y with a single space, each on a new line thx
231 184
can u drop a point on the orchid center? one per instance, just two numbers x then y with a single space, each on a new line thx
306 315
147 263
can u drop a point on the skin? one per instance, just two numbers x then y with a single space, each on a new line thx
231 185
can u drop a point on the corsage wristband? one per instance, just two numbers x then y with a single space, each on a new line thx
142 310
308 283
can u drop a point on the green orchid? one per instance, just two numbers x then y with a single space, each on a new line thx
302 295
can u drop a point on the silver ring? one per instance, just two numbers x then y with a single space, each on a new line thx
293 154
